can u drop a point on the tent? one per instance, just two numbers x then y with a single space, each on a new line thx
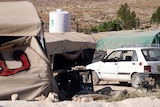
19 19
25 68
69 52
67 42
99 35
61 43
136 38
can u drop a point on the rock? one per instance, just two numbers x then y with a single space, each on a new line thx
52 97
119 94
90 97
14 97
40 98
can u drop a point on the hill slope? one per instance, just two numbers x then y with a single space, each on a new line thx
92 12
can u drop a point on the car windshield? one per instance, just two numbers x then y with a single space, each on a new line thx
152 54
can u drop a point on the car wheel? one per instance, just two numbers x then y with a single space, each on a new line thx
136 81
95 78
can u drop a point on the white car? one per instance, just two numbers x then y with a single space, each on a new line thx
127 65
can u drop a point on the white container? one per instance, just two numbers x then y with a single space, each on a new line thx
59 21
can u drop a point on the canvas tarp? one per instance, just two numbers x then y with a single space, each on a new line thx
64 43
19 19
24 67
99 35
68 42
136 38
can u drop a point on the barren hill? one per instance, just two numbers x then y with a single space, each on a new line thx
92 12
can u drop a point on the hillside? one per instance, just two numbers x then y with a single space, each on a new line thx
92 12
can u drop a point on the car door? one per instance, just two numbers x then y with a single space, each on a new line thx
109 69
127 64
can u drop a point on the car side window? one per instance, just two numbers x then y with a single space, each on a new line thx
129 55
113 57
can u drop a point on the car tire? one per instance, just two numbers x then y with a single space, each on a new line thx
136 81
95 78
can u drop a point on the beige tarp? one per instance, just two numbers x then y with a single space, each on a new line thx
24 68
58 43
19 19
67 42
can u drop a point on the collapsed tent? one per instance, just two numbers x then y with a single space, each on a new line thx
25 68
137 38
67 47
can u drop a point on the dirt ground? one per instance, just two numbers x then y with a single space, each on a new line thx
129 91
88 13
114 86
141 101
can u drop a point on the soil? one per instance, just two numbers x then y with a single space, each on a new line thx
88 13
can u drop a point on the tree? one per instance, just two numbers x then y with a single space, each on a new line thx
156 16
127 17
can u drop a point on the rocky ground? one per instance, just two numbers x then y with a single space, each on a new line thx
106 98
88 13
137 102
113 91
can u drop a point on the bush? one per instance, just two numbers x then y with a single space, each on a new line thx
107 26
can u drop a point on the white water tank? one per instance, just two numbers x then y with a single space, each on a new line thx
59 21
